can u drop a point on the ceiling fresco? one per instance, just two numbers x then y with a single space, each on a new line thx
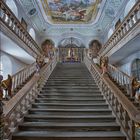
71 11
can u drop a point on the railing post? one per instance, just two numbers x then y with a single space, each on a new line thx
1 121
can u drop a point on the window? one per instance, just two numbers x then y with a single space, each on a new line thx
136 69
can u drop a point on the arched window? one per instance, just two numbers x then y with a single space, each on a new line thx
11 4
32 33
136 69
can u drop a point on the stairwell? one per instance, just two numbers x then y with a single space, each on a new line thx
69 107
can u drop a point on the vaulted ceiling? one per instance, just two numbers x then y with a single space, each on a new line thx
76 18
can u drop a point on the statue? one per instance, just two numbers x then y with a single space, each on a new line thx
135 88
104 64
7 86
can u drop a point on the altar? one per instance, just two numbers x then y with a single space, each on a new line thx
71 54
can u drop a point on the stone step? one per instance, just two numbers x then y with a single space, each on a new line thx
66 96
71 92
70 112
70 101
70 106
52 135
50 126
70 119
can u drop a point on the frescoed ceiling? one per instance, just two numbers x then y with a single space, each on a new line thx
71 11
48 17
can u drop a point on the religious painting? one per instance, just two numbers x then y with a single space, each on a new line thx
71 11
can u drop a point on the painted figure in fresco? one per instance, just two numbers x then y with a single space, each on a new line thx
104 65
1 90
7 86
135 88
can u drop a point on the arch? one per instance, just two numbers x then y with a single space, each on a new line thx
32 33
110 32
12 5
129 6
70 40
6 66
135 68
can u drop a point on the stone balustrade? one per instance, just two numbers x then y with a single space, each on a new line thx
12 23
21 77
126 113
15 109
130 22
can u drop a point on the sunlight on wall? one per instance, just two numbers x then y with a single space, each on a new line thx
32 33
11 4
129 6
110 33
6 66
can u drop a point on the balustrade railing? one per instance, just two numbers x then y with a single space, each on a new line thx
21 77
16 108
126 113
122 79
130 21
10 20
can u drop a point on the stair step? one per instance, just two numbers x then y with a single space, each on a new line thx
64 135
70 99
73 95
54 96
47 126
70 112
80 92
58 118
70 106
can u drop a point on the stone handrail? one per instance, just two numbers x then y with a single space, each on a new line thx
130 21
126 113
121 78
21 77
16 108
10 20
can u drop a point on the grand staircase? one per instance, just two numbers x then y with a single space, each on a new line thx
69 107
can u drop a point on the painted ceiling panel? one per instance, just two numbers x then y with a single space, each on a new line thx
71 11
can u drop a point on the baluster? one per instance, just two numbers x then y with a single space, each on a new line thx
132 130
125 29
4 15
128 24
126 120
120 112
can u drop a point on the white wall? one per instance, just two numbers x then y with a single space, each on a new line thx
125 65
10 65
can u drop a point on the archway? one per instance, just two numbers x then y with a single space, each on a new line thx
71 50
